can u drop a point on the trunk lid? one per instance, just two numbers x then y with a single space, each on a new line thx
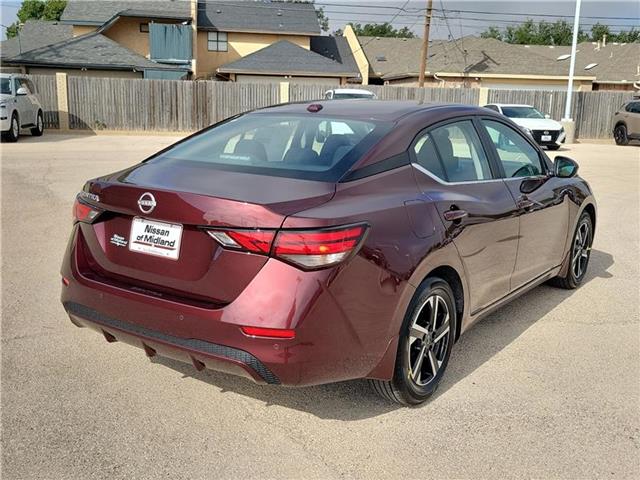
203 273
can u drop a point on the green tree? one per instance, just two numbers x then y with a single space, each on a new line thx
36 10
529 32
381 30
492 32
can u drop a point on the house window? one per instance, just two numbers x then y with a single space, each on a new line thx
144 28
217 41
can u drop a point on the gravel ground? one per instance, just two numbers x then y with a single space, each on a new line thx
548 386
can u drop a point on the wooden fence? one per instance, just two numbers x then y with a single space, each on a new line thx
165 105
48 94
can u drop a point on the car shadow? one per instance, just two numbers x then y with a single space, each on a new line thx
354 400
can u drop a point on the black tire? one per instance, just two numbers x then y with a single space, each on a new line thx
408 387
620 135
38 130
553 147
13 133
580 251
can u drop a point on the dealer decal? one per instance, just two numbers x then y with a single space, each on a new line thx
118 241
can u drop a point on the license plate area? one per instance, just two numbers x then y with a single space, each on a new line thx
546 138
151 237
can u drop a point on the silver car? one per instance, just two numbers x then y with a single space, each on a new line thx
19 107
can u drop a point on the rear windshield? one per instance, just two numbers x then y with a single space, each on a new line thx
309 147
521 112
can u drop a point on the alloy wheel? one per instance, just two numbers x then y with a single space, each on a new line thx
14 127
428 340
581 250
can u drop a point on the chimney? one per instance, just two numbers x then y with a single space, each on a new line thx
194 37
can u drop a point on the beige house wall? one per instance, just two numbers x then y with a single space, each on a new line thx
126 31
504 82
83 30
239 45
84 73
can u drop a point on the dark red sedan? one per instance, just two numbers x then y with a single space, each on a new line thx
311 243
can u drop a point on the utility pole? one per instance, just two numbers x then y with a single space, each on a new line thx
425 43
568 122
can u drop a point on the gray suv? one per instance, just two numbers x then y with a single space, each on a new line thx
626 122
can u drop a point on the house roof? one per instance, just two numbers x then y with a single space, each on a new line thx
35 34
615 62
92 50
286 58
247 16
97 12
398 58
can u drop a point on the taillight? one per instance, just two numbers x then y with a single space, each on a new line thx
308 249
318 248
84 213
255 241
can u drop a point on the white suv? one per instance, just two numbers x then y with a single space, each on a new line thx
545 131
19 107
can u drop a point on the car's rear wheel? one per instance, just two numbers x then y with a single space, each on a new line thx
580 255
14 129
38 130
620 135
426 339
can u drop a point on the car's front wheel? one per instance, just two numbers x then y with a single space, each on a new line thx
38 130
14 129
580 255
426 339
553 147
620 135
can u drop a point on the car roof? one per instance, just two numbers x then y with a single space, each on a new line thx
511 105
385 110
350 90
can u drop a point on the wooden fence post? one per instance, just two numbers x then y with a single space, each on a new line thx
483 98
284 92
63 100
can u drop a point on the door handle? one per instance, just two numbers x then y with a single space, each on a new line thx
524 203
454 214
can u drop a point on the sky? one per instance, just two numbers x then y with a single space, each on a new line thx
456 24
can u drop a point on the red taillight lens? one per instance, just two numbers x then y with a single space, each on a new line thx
318 248
309 249
84 213
256 241
269 332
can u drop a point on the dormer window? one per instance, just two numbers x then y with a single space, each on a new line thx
217 41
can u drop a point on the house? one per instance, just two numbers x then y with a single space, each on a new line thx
485 62
220 39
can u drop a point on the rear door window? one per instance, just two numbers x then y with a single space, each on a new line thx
298 146
453 153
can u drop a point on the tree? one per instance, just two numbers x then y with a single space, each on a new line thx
380 30
492 32
36 10
323 20
559 32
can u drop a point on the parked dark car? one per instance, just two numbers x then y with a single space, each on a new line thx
311 243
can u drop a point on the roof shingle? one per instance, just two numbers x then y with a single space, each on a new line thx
97 12
35 34
286 58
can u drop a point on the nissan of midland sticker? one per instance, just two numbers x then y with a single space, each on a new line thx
155 238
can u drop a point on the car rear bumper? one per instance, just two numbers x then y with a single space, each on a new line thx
333 341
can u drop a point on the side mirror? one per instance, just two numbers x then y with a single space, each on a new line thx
547 116
22 91
564 167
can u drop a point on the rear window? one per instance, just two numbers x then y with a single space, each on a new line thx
308 147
